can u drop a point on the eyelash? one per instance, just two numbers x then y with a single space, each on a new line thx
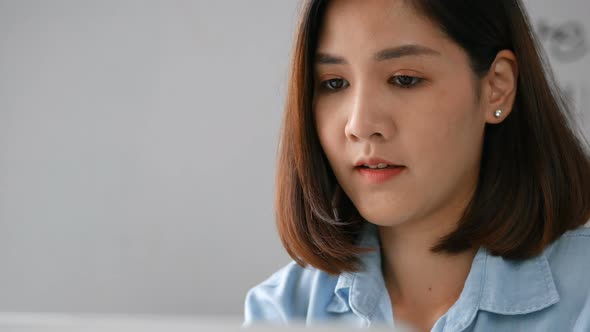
417 80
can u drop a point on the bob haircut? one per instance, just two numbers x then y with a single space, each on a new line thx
534 181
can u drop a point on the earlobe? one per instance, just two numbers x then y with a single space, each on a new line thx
502 81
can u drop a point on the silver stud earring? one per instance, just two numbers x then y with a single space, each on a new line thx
498 113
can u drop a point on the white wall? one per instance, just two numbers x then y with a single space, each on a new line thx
137 149
564 31
137 143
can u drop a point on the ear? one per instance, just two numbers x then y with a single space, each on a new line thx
499 87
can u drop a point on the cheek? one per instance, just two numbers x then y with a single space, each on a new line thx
446 135
331 135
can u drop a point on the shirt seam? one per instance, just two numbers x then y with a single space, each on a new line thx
378 300
350 295
504 310
478 304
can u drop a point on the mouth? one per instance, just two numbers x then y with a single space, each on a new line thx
375 163
378 166
380 174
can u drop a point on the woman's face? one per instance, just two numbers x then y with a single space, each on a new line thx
416 106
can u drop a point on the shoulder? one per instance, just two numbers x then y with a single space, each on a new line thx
582 231
572 246
569 256
569 259
288 294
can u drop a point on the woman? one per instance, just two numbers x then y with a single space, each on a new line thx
427 175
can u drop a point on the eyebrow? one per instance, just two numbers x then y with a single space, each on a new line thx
386 54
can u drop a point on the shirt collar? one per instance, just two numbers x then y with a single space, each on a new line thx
364 291
493 284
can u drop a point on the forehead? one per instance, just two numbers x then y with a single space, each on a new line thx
353 26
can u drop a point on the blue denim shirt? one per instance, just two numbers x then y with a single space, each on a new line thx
550 292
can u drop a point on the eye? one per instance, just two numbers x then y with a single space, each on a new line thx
405 81
334 84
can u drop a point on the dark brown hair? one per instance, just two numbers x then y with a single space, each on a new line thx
534 181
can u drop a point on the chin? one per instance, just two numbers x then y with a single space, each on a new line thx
384 218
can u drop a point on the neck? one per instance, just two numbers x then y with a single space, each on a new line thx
420 281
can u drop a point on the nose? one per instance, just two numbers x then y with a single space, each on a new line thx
369 118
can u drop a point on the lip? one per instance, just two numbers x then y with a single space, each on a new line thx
374 161
377 176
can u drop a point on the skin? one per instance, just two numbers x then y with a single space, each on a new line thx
431 122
